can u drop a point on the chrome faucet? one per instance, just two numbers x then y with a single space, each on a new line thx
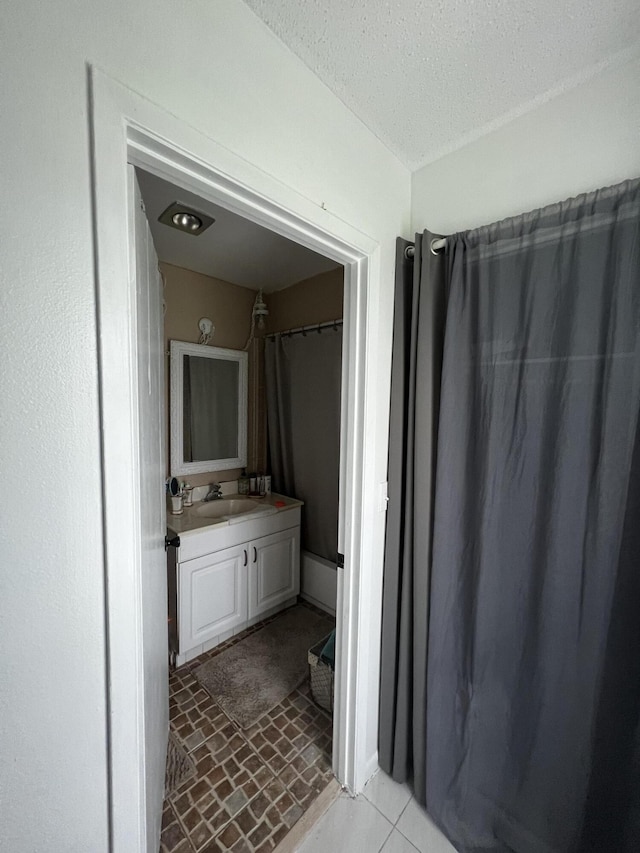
214 493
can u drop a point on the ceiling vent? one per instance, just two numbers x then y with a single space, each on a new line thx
185 219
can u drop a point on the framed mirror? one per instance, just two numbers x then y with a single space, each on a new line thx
208 401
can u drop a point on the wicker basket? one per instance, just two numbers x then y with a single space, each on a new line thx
321 676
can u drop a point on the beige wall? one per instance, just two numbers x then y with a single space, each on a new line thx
314 300
190 296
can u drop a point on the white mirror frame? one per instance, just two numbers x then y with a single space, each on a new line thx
178 349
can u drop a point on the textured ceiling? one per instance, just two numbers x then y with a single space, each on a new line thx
427 77
232 249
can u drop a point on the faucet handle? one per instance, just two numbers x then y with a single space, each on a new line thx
215 491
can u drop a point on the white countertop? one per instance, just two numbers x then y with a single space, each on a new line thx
191 522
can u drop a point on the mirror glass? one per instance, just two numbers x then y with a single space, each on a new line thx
208 408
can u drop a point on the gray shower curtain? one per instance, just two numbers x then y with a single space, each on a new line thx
303 375
518 713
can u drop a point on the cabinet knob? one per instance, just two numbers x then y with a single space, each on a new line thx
246 559
255 554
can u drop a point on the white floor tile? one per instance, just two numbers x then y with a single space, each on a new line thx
397 843
387 796
349 825
416 825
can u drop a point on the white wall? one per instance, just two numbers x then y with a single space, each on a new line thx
216 66
587 138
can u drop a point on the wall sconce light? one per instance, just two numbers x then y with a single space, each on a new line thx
207 329
260 310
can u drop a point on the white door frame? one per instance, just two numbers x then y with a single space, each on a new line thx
127 128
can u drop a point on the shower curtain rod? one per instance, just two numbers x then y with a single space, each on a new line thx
437 245
304 330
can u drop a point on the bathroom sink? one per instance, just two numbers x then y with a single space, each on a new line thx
225 507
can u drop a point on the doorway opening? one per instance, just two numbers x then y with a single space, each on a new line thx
127 128
252 603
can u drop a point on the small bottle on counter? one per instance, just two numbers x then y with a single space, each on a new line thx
267 484
243 483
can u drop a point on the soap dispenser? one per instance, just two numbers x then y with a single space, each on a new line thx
243 483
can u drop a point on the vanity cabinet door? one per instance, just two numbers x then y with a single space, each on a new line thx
274 570
213 595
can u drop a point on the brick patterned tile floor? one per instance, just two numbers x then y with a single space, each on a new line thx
251 786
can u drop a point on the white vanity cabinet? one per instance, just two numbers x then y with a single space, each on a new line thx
226 577
274 575
212 595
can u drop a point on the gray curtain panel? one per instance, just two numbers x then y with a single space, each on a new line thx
303 377
419 315
532 716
